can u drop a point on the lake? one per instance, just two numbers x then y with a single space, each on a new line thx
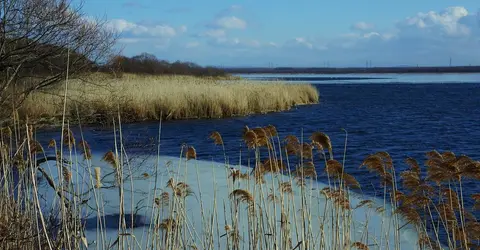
406 115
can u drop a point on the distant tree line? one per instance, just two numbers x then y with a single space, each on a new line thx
146 63
355 70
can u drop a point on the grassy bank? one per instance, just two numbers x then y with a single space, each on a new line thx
141 98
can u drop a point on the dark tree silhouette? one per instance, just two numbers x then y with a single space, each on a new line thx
41 39
146 63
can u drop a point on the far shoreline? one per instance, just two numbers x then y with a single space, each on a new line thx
354 70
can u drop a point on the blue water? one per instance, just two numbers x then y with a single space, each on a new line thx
406 115
406 119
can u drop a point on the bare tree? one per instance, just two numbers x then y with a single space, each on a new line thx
39 37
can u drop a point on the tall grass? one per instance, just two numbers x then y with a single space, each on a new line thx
274 204
260 211
142 98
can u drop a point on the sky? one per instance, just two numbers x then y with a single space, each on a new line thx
341 33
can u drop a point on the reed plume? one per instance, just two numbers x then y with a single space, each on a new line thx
413 164
111 158
374 163
360 246
410 214
324 141
350 181
217 138
262 137
35 147
411 180
387 159
163 200
382 164
86 151
442 168
468 168
52 143
250 139
368 203
235 174
305 171
447 214
67 175
242 195
271 130
449 156
451 198
306 151
333 168
473 230
68 138
273 198
292 144
171 183
272 166
476 199
191 153
338 196
180 189
286 187
168 224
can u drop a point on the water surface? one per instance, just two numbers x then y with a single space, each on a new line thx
404 119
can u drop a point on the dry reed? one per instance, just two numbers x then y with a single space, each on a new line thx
141 98
430 198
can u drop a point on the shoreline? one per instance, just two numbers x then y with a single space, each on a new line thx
355 70
138 98
54 126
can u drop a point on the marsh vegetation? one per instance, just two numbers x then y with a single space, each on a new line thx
276 203
140 98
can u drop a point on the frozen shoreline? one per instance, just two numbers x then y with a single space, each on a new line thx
367 225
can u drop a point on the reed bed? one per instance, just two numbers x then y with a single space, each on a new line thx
140 98
260 211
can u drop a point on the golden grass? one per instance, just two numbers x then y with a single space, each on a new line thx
430 198
141 98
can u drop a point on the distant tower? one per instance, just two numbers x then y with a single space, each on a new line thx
450 61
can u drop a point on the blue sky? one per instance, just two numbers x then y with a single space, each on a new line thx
297 33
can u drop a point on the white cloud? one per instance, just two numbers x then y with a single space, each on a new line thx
230 22
426 38
182 29
128 40
124 26
272 44
371 34
161 31
303 41
445 23
362 26
214 33
236 43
